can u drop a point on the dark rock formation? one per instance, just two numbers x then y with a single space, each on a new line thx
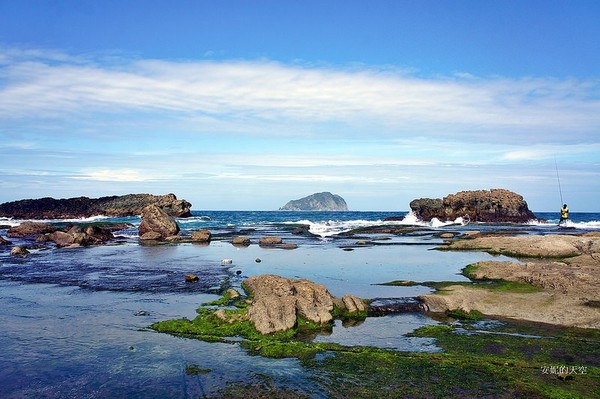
30 229
277 302
495 206
155 219
70 208
317 202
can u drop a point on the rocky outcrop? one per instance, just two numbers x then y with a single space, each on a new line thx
277 302
77 236
559 277
317 202
156 220
70 208
492 206
30 229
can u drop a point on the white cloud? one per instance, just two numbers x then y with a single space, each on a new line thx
276 98
114 175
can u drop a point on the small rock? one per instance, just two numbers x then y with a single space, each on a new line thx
201 235
151 235
174 238
362 242
353 304
142 313
288 246
19 251
241 241
232 293
191 278
270 240
471 234
447 235
258 260
226 261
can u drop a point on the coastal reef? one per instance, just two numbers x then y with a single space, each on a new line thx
81 207
317 202
554 280
491 206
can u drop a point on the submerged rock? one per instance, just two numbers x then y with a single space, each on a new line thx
278 301
495 206
19 251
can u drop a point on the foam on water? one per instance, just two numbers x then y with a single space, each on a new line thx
332 227
587 225
91 219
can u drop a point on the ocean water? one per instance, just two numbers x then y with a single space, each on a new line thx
74 321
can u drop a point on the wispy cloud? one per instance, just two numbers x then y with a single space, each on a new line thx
114 175
275 98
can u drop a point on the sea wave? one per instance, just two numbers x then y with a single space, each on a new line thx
332 227
15 222
591 224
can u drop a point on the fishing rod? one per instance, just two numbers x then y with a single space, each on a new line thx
558 178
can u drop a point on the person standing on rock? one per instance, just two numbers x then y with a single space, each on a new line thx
564 214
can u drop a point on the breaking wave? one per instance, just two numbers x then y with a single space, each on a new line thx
332 227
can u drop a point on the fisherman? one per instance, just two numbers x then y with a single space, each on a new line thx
564 214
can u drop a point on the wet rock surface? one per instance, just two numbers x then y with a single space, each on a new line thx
565 269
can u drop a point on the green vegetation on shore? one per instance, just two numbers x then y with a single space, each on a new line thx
504 360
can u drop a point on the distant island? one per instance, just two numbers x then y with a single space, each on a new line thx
124 205
317 202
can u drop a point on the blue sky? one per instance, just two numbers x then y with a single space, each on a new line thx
248 104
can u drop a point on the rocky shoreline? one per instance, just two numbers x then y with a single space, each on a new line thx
557 275
83 207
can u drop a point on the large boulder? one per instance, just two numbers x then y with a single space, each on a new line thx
277 302
317 202
154 219
495 206
69 208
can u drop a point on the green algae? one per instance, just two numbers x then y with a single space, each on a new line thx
505 360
